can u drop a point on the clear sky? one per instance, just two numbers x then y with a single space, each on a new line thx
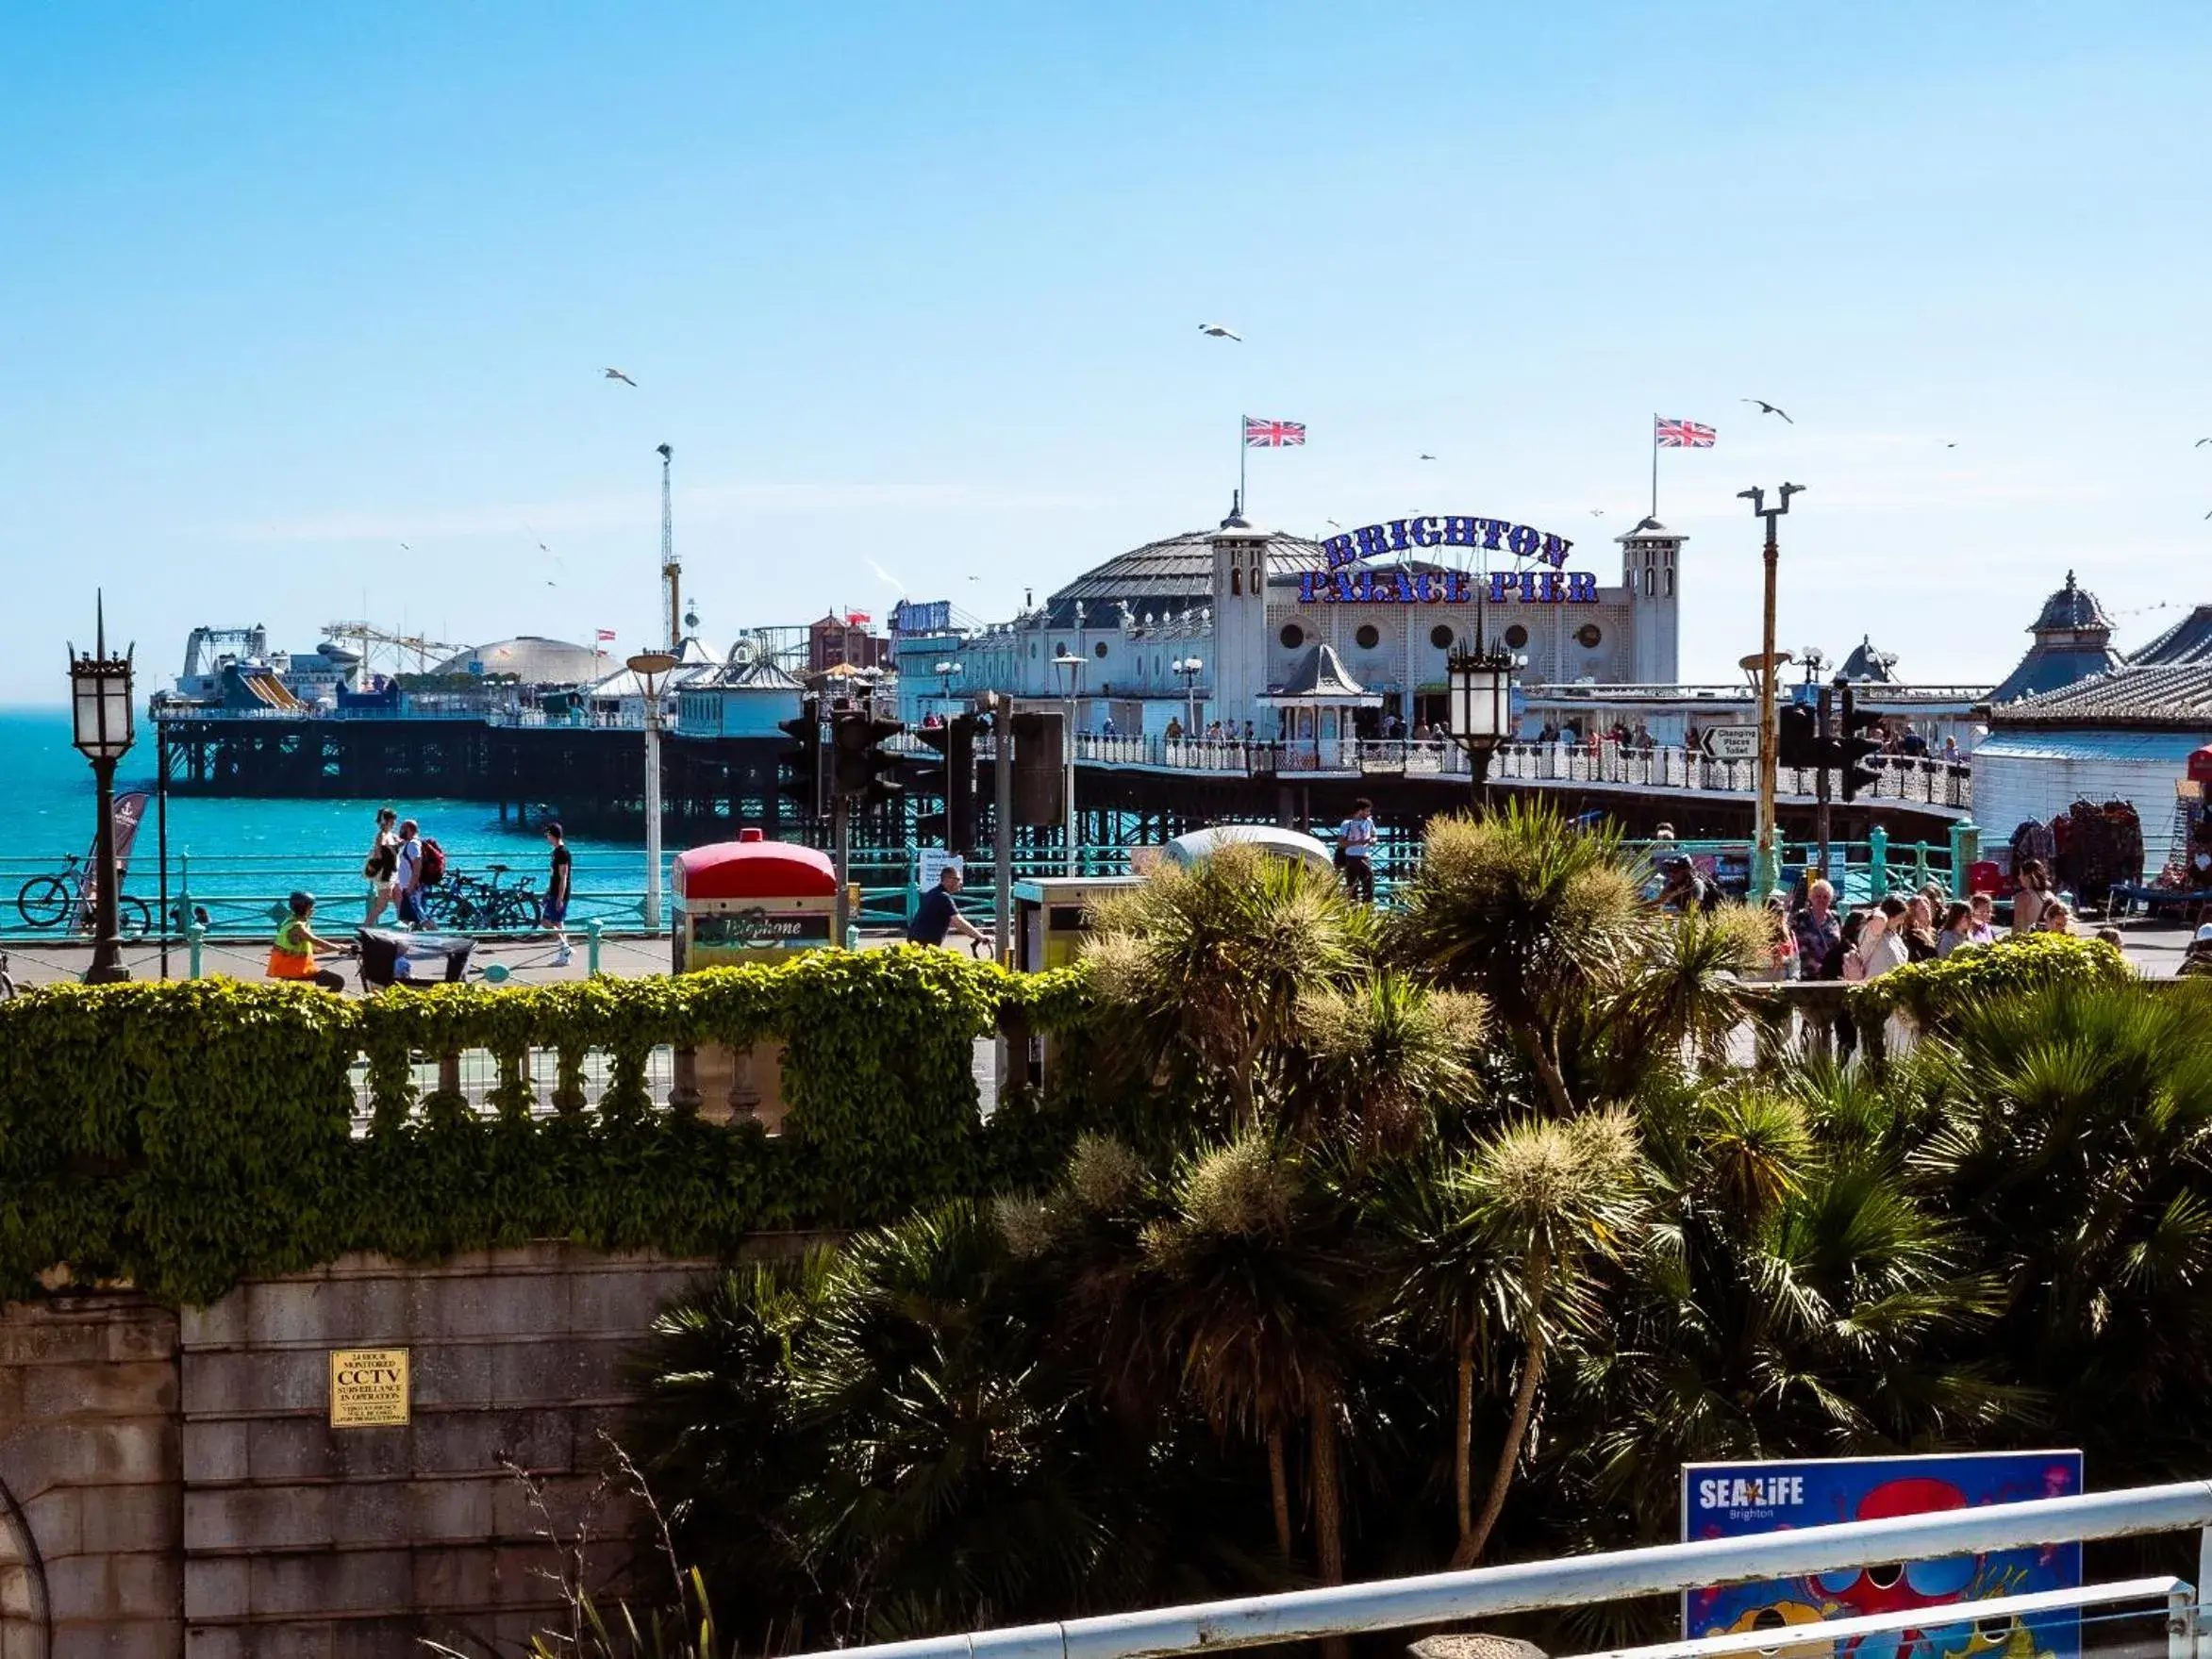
914 293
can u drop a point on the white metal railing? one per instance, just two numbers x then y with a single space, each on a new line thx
1487 1592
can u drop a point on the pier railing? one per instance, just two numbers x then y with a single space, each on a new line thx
1604 764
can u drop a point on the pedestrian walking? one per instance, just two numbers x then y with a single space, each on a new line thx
382 863
1356 838
407 874
553 909
1919 929
1881 943
293 955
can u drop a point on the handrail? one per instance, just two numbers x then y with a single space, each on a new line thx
1920 1619
1342 1610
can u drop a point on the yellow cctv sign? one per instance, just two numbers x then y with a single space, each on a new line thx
368 1388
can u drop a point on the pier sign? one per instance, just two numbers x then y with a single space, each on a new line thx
1339 584
368 1388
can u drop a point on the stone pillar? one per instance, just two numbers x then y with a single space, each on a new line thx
91 1515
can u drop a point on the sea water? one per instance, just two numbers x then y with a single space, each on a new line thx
46 813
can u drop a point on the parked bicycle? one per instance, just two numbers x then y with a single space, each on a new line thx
51 901
466 904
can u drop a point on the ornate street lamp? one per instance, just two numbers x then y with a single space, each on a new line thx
100 726
1480 685
945 671
652 668
1189 668
1069 670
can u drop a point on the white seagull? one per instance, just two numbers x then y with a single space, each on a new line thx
1218 332
618 375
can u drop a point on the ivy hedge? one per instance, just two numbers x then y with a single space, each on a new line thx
1931 992
185 1135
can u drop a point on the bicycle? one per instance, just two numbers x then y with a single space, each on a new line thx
49 900
468 904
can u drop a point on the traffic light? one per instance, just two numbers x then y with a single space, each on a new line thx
804 787
1851 749
952 780
858 765
1798 742
1038 769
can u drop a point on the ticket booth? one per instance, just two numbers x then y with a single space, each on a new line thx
746 902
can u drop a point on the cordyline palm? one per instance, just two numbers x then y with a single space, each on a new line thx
1556 1201
1681 990
1248 1287
1536 916
2072 1135
1215 957
1378 1060
1791 1300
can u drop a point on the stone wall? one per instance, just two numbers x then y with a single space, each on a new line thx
175 1485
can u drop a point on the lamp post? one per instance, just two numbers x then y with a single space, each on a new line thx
1189 668
1481 686
946 672
1069 668
1766 871
652 667
100 727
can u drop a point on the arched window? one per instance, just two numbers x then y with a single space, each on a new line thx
1649 586
1669 581
1236 580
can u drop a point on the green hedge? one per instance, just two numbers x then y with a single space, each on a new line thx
1932 991
185 1135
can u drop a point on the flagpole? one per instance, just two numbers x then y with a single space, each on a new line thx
1244 449
1654 465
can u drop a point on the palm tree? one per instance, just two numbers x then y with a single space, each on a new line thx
1378 1059
1536 916
1249 1283
2072 1135
1214 959
1792 1298
1682 989
1552 1200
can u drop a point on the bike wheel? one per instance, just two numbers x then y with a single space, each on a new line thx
133 920
44 901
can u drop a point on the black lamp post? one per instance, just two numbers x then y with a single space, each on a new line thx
1480 685
100 721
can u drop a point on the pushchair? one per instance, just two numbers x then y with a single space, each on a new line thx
390 957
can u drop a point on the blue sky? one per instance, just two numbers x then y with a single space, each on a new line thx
914 293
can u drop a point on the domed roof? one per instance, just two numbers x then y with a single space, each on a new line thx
1866 663
2070 607
1165 577
532 659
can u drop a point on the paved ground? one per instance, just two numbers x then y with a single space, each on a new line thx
2154 947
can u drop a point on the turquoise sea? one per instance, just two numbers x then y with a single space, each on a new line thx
236 857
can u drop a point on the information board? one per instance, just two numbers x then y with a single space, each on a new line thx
1737 1499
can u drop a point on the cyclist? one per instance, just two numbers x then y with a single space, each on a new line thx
292 956
937 915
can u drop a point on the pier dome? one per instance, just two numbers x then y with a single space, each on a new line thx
1165 577
532 659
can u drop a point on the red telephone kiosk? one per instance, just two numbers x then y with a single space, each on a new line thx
743 902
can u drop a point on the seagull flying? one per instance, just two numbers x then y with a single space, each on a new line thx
2203 442
1597 512
618 375
1218 332
1427 457
1766 408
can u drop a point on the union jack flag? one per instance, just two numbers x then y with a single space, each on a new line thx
1273 434
1683 433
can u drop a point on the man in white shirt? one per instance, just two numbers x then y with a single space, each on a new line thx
1355 840
406 876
